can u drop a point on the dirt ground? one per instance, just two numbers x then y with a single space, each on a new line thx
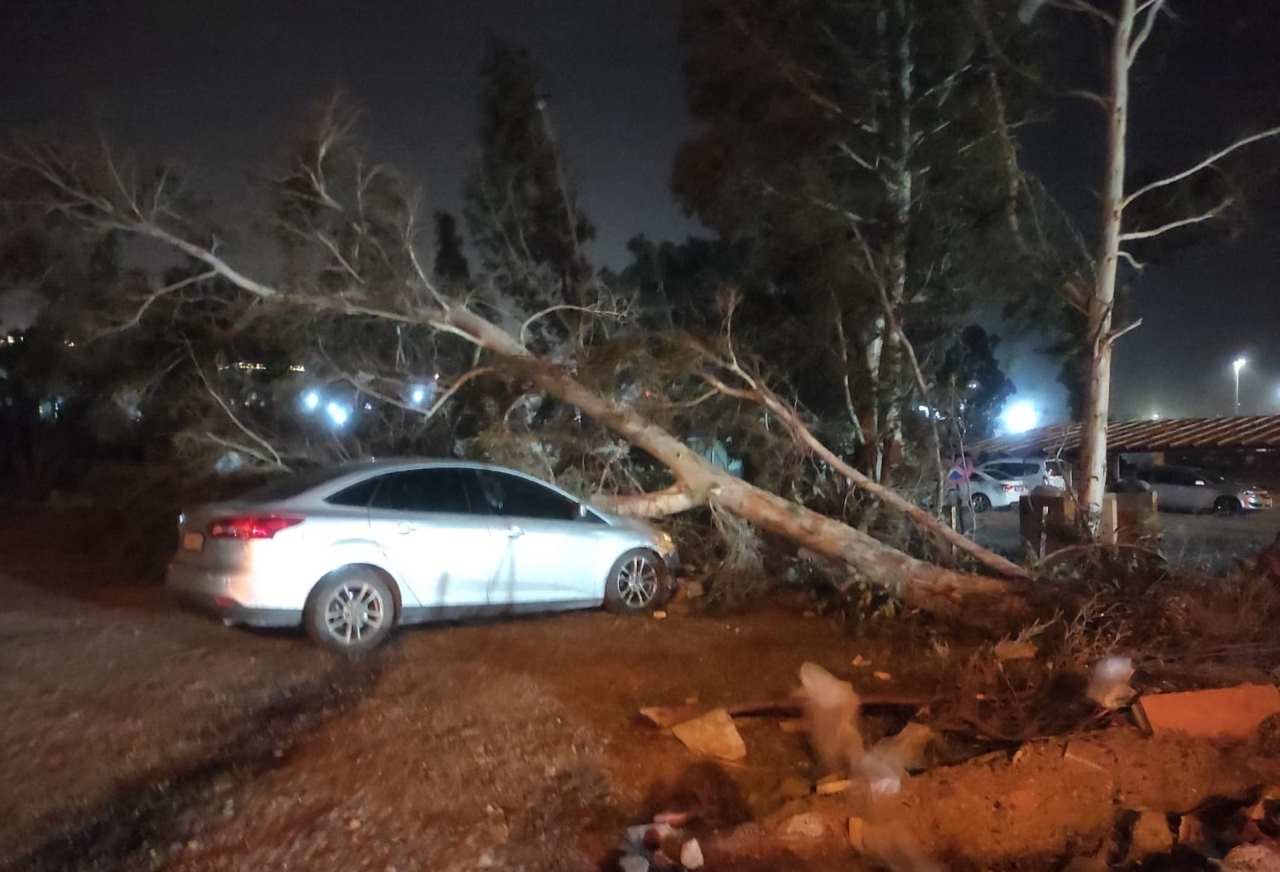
137 736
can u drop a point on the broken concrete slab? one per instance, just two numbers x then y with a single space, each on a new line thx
1227 713
1193 834
806 826
908 748
1252 858
831 709
1151 835
691 855
1109 684
712 735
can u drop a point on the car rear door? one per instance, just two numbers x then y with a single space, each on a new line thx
423 520
1171 494
550 552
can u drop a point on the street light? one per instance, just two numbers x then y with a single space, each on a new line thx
1237 365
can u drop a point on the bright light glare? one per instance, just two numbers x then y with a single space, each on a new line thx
1019 417
311 400
338 413
418 395
1155 416
1238 364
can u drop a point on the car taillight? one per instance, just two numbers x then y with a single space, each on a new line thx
1009 488
251 526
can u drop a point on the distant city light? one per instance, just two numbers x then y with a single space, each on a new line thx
1019 417
338 413
1155 416
297 367
311 400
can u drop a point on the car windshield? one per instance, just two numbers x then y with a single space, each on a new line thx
291 484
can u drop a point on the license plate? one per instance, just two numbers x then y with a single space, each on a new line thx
193 542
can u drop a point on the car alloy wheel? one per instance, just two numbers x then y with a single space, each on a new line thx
637 581
354 611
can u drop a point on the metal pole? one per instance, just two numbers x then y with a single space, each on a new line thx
1237 369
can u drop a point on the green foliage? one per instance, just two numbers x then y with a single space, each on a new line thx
451 267
521 213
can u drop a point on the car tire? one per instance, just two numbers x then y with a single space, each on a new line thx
981 503
1227 506
637 583
350 611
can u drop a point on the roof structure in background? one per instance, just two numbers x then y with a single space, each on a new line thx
1248 431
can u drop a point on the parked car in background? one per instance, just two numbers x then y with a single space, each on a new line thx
1031 471
1188 489
351 551
986 492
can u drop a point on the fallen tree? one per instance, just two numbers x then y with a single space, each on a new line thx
366 277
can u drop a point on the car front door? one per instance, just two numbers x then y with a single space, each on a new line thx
1200 489
550 552
424 522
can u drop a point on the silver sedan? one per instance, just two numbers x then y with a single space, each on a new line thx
351 551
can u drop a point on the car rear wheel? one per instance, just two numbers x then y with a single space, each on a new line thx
981 503
351 610
1227 506
637 583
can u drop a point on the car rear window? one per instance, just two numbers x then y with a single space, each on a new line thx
291 485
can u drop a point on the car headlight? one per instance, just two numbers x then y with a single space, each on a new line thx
664 542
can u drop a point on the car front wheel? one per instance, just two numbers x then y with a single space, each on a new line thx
351 610
1227 506
637 583
981 503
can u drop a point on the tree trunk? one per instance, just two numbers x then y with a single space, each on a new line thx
1093 452
916 582
898 70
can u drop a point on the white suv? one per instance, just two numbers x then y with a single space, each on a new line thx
1031 471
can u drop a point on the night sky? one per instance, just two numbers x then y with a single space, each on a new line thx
223 85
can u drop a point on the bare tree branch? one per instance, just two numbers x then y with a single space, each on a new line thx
591 310
1131 260
151 299
1204 164
1182 222
1154 7
671 501
1091 96
756 392
244 449
276 460
1116 334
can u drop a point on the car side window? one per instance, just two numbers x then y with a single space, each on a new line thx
423 490
357 495
1030 469
515 497
1158 475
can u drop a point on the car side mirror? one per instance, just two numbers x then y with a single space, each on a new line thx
583 511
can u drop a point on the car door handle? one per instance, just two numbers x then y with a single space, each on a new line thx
405 529
514 532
